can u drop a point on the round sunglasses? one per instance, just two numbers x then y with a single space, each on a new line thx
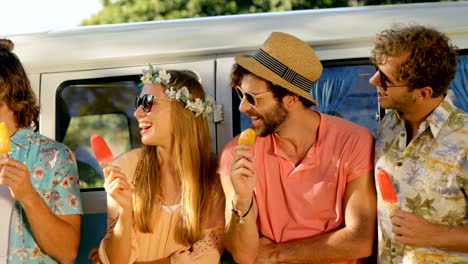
251 98
146 101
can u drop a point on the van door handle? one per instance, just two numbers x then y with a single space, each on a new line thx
218 113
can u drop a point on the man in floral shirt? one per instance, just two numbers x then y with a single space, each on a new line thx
38 177
422 145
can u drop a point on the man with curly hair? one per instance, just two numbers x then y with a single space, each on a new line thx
422 146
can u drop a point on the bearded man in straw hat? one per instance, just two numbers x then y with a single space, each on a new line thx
304 191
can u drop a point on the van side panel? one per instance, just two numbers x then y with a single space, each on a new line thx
84 58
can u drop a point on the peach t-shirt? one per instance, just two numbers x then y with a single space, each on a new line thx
296 202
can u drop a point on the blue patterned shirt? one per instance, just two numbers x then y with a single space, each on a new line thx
430 175
54 175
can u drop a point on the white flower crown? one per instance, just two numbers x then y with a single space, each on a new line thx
159 76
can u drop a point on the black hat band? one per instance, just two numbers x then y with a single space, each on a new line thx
283 71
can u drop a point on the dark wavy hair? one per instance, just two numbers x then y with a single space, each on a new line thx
432 59
15 88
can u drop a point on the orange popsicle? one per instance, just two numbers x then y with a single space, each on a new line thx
5 145
101 150
247 137
387 189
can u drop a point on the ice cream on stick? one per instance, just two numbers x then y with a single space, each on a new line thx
5 145
247 137
101 150
387 189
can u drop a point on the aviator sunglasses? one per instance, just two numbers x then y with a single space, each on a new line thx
384 80
146 101
251 98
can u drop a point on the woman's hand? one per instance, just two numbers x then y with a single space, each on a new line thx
118 187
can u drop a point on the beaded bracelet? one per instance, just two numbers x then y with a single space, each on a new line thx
237 212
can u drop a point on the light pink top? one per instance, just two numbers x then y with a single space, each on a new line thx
161 243
296 202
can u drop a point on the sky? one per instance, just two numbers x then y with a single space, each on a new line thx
28 16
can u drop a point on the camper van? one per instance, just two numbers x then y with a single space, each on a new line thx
86 78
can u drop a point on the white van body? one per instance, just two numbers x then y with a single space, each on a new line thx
207 46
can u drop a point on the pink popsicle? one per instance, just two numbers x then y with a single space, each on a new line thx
101 150
387 189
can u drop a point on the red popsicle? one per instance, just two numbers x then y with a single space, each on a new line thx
101 150
387 189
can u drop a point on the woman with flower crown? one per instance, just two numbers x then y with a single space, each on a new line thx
165 201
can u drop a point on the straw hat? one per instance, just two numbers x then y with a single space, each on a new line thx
286 61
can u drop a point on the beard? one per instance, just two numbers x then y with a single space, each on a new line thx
400 103
272 119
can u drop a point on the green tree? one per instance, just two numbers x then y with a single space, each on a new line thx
123 11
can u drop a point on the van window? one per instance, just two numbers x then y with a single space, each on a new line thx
342 90
345 91
458 86
101 106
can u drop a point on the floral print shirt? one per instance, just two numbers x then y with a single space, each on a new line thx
54 175
430 177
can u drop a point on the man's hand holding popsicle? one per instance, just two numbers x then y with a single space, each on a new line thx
243 177
13 173
388 192
6 201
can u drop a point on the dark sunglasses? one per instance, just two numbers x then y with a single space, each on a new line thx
146 101
384 80
251 98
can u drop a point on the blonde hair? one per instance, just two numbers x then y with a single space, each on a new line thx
196 168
